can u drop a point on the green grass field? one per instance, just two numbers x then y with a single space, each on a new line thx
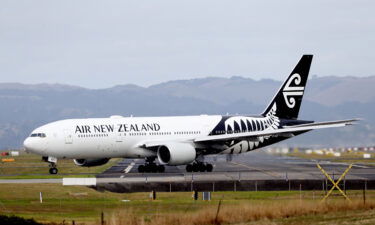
85 205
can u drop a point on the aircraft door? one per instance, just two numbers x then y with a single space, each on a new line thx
68 137
119 142
119 138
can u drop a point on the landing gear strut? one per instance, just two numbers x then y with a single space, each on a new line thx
199 167
52 164
151 167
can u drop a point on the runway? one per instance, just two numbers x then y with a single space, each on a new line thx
256 165
30 181
251 171
256 170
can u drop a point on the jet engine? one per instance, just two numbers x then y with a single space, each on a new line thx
176 153
90 162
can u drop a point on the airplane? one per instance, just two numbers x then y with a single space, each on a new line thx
177 140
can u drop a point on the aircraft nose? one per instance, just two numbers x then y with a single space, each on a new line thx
27 144
31 145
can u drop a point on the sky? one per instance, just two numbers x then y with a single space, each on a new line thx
100 44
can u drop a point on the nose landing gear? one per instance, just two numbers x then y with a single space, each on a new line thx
52 164
199 167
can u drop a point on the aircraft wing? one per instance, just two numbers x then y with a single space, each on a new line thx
285 131
152 144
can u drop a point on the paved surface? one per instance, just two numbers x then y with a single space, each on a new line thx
255 170
252 171
30 181
256 165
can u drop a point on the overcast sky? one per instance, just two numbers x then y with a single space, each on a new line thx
99 44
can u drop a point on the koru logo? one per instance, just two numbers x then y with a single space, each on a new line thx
291 90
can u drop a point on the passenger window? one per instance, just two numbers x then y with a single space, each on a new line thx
43 135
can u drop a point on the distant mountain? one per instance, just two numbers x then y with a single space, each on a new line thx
335 91
24 107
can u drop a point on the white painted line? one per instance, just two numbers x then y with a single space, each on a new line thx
347 164
360 166
328 163
130 167
79 181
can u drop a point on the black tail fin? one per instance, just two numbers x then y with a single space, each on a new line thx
288 99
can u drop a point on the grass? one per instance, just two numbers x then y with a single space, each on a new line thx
13 220
85 205
27 166
347 157
247 213
352 217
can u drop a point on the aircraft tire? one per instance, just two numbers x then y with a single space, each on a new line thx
189 168
53 170
209 167
161 168
154 168
141 168
195 167
147 168
202 167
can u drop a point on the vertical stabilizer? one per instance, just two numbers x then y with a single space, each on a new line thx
288 99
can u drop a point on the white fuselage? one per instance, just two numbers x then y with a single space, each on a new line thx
115 136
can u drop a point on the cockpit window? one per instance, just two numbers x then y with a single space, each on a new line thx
38 135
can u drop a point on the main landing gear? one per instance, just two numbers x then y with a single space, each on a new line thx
199 167
151 167
52 164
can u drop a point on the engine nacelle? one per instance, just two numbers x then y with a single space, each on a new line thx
90 162
176 153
